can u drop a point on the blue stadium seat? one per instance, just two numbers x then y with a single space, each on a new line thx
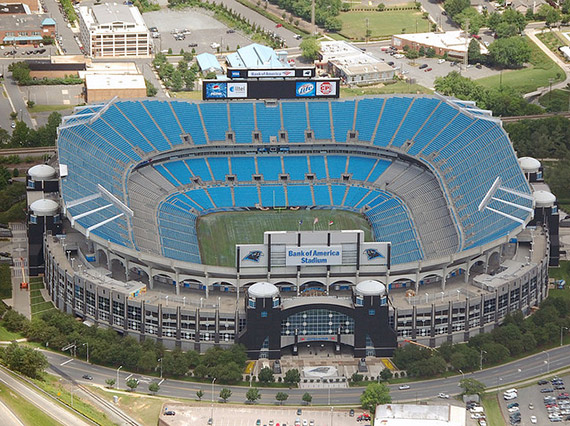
336 165
319 118
416 116
189 118
167 122
299 195
180 171
269 167
338 192
296 167
295 120
246 196
392 114
144 123
368 111
318 166
243 168
359 167
243 124
343 119
272 196
222 196
220 167
215 116
199 167
322 195
268 121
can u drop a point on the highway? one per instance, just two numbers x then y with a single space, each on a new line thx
501 376
45 404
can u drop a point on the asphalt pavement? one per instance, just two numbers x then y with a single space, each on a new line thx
497 377
8 417
45 404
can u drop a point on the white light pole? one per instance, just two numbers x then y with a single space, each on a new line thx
481 359
118 376
213 381
561 331
547 361
462 374
87 343
160 360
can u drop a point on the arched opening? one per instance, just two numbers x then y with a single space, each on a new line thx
222 287
102 258
477 268
494 263
431 280
312 288
191 285
163 282
402 283
286 287
341 288
118 270
137 273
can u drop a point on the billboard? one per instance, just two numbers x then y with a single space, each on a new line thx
271 89
313 255
271 73
375 254
251 256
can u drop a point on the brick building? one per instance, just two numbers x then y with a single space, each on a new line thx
25 29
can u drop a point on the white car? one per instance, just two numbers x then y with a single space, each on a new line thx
215 45
443 395
399 56
404 387
533 419
482 422
441 61
513 409
509 396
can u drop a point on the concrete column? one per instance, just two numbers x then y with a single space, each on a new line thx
150 280
177 282
417 282
444 278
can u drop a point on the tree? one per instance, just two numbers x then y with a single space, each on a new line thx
386 374
132 384
252 395
307 398
199 394
374 395
292 377
356 377
472 387
474 52
310 48
20 72
110 382
266 375
20 135
225 394
25 360
455 7
30 104
150 89
154 387
333 24
281 397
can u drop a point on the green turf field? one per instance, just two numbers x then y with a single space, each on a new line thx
382 24
218 233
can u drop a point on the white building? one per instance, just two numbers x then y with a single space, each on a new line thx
454 43
114 30
419 415
353 65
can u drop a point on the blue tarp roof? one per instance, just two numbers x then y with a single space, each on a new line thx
254 56
23 38
207 61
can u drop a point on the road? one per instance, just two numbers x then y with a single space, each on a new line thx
45 404
501 376
68 41
8 417
435 9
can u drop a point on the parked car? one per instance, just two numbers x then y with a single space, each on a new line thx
87 377
546 390
422 66
230 31
440 61
193 45
278 25
443 395
533 419
513 404
169 413
404 387
427 70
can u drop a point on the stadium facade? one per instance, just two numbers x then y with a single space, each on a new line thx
462 235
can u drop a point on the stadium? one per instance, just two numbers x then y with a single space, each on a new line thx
410 216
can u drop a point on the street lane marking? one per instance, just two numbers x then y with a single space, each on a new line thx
66 362
129 376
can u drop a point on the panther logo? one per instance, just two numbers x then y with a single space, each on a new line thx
372 253
254 255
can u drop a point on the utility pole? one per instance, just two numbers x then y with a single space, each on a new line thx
313 17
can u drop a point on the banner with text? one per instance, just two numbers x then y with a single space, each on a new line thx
313 255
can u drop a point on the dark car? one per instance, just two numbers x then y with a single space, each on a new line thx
542 382
559 387
390 63
193 45
170 413
513 404
230 31
87 377
422 66
351 413
478 66
546 390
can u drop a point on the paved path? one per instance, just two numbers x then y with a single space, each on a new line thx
20 298
48 406
8 417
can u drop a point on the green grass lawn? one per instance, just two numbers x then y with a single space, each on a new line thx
553 40
398 87
492 410
555 100
382 24
218 233
6 335
528 79
55 386
26 412
144 409
49 108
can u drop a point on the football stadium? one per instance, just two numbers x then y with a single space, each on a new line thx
352 224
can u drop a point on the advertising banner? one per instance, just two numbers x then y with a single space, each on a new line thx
271 89
313 255
215 90
305 89
252 255
237 90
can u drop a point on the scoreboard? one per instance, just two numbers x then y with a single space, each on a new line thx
271 89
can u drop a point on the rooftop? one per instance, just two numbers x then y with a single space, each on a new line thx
113 15
428 415
12 8
22 22
208 62
255 56
114 81
452 40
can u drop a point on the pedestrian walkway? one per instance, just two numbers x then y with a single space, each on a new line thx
19 250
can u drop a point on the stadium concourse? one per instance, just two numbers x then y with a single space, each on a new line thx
458 236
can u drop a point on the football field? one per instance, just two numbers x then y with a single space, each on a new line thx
218 233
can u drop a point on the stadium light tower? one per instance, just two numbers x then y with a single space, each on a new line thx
491 195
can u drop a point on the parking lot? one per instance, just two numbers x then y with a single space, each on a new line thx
411 68
203 31
531 403
231 415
